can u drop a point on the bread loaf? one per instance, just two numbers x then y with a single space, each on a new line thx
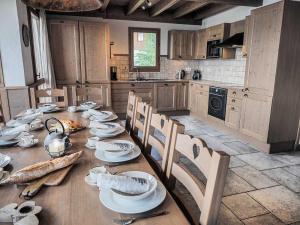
41 169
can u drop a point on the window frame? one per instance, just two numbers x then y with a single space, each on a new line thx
133 68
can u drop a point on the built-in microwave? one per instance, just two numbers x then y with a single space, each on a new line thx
212 50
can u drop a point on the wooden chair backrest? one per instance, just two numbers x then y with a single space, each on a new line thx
84 94
163 126
55 95
212 164
131 106
141 116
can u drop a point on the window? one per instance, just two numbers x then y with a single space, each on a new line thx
144 49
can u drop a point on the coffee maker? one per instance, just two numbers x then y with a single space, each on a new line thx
113 73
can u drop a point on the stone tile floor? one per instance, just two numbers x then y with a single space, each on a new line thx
261 189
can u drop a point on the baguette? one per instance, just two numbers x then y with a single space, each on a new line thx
41 169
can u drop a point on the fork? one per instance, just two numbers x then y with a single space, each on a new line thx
132 220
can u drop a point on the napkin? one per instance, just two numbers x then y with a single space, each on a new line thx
18 129
126 184
107 146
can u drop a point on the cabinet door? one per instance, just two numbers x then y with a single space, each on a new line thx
189 45
263 53
233 116
64 41
177 48
165 96
201 103
200 44
255 115
192 98
94 52
182 96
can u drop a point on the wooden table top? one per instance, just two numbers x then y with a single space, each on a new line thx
74 201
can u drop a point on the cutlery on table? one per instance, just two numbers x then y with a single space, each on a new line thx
132 220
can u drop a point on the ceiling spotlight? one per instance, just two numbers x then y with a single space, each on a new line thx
147 4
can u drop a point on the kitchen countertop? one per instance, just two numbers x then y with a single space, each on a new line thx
205 82
217 84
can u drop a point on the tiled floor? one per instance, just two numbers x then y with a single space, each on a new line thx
261 189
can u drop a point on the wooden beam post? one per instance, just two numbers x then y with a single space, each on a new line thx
212 10
133 6
189 7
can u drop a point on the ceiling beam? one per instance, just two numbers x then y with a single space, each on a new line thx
254 3
211 10
189 7
162 6
134 5
104 6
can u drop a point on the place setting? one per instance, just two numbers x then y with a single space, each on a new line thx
50 108
84 107
100 116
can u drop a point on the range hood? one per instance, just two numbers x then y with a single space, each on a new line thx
235 41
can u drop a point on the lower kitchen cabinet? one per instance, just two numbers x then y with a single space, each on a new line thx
182 96
233 115
201 103
255 115
165 96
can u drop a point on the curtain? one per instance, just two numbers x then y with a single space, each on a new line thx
42 50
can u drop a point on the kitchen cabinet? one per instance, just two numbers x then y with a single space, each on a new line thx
79 51
192 99
64 42
233 108
94 53
199 99
165 96
182 96
255 116
181 44
247 35
218 32
200 44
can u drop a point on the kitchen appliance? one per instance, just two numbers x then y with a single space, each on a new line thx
212 50
217 102
180 74
113 73
235 41
197 75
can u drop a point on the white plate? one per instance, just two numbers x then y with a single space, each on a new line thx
14 123
89 180
114 203
101 147
4 160
147 176
57 109
111 118
107 158
98 133
82 108
89 147
10 143
107 127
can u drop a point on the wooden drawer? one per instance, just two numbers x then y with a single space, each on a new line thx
201 87
234 102
130 86
233 115
235 93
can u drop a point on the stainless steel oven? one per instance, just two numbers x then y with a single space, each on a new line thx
217 102
212 50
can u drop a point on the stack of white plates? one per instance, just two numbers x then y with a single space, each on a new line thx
124 151
49 108
108 132
133 204
88 105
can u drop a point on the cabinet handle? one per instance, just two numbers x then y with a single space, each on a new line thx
192 84
246 89
233 100
234 93
232 108
166 84
132 85
245 95
77 82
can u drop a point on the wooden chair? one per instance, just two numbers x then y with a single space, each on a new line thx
158 138
55 94
84 94
139 126
131 106
212 164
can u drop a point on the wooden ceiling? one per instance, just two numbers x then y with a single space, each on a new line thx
166 11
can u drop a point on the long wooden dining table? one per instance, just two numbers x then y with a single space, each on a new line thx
74 202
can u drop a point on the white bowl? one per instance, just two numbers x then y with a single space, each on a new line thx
147 176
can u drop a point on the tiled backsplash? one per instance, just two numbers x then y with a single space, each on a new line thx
229 70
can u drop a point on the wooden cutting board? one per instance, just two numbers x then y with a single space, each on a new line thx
51 179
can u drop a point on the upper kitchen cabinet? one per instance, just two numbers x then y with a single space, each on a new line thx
218 32
79 51
65 50
200 44
272 76
94 42
181 44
